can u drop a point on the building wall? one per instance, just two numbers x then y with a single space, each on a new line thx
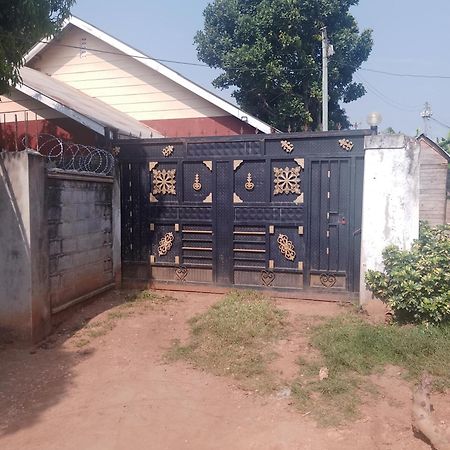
24 299
80 236
391 200
433 181
59 241
23 119
119 80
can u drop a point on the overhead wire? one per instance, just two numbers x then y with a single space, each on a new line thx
385 98
254 69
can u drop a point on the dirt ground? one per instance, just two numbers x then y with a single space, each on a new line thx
116 392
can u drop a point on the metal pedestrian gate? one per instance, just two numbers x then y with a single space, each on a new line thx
279 212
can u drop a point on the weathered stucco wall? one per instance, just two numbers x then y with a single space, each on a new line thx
59 242
390 199
80 236
24 299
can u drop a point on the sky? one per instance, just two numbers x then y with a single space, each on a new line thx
411 37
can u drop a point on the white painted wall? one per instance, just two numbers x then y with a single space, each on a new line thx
390 199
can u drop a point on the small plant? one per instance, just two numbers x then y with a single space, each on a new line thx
416 283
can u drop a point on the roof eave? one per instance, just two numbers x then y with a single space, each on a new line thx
161 68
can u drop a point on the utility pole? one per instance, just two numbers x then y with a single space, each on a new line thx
327 51
426 115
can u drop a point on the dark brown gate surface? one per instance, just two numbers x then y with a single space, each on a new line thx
268 211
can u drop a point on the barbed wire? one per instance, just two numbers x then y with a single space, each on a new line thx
70 156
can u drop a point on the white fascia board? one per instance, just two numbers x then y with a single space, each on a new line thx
42 44
42 98
169 73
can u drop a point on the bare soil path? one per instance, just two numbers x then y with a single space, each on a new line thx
117 393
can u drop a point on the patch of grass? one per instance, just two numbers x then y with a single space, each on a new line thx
82 342
233 338
146 298
351 348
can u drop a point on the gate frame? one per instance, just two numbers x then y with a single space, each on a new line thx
129 153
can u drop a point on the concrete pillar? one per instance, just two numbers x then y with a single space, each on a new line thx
24 293
117 228
390 199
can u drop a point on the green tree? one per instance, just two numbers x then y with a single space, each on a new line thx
22 24
270 50
445 142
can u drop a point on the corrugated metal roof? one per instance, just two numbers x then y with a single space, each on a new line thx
89 111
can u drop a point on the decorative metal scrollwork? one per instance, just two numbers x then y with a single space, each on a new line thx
328 280
249 185
197 186
286 247
267 277
287 180
165 244
164 181
346 144
181 273
168 150
287 146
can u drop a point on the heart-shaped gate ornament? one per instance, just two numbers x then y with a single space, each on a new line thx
181 273
328 280
267 277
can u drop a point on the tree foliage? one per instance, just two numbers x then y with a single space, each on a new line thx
271 51
445 142
22 24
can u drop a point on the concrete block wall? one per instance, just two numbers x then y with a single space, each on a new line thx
80 232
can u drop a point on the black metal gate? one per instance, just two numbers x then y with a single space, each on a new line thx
270 211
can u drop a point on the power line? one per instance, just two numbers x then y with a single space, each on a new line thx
254 69
440 123
385 98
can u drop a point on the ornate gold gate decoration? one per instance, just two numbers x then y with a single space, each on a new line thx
249 185
346 144
165 244
287 180
164 181
168 150
286 247
197 186
287 146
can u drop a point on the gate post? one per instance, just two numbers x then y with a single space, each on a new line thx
390 200
24 248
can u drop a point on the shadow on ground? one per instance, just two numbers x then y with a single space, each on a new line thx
34 379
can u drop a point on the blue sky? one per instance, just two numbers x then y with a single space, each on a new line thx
411 37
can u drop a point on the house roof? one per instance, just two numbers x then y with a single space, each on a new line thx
86 110
160 68
435 146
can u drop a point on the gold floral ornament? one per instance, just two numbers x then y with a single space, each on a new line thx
287 180
346 144
249 185
168 150
197 186
287 146
286 247
164 181
165 244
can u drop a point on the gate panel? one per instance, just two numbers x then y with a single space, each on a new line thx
280 211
